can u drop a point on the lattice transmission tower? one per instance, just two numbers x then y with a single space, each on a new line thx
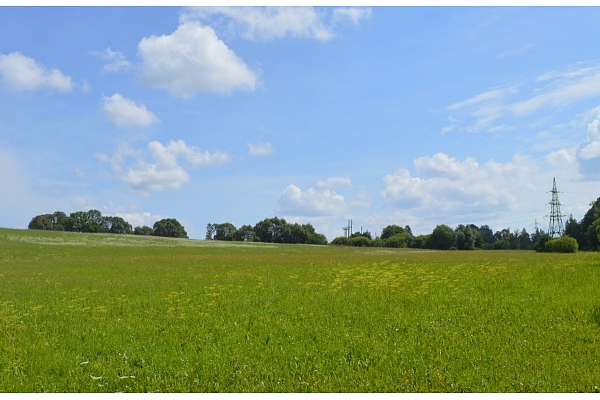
555 228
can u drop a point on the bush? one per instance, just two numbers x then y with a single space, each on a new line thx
361 241
340 241
565 244
399 240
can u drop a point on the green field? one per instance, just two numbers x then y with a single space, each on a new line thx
122 313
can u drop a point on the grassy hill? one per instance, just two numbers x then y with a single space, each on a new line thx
108 313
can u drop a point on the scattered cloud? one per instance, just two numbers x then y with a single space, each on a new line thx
259 150
22 73
123 112
193 59
562 157
140 219
352 14
448 184
116 60
270 23
319 201
332 183
163 172
560 88
565 93
484 108
588 154
516 51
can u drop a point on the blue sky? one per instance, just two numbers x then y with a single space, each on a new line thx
400 115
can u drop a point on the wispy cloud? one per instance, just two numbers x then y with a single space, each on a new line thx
270 23
260 150
516 51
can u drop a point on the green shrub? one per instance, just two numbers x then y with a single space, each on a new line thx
399 240
361 241
340 241
565 244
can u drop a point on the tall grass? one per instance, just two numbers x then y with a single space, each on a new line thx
99 313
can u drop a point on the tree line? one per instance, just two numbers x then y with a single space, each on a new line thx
584 235
269 230
93 221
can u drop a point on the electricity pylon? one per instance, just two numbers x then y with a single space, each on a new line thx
555 228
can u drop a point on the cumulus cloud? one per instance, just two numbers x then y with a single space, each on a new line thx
116 60
258 150
449 184
193 59
312 202
123 112
588 154
22 73
163 172
140 219
269 23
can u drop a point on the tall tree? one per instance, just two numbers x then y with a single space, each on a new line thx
169 227
442 238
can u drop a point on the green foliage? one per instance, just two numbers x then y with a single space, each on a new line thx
244 234
391 230
420 242
361 241
270 230
169 227
564 244
143 231
588 219
341 241
540 245
225 231
442 238
399 240
468 238
592 235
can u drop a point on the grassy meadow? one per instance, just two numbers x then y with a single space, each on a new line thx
117 313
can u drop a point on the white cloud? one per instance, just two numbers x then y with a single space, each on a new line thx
560 88
140 219
164 171
258 150
21 73
588 153
269 23
116 60
312 202
352 14
562 157
123 112
450 184
193 59
485 108
566 93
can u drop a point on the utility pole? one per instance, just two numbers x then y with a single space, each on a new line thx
555 227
